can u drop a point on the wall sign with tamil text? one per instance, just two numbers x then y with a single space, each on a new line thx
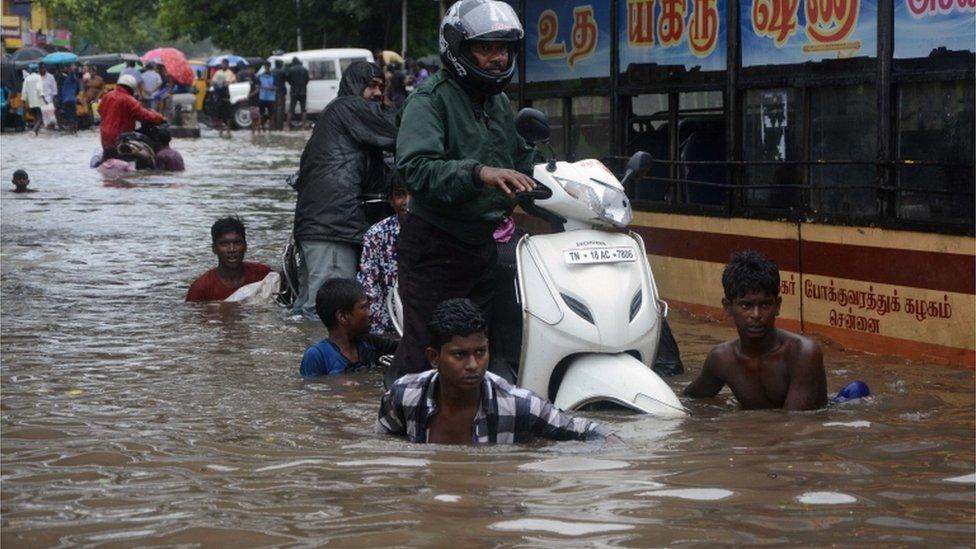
673 32
566 40
780 32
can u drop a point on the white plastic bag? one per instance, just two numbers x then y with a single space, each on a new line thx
47 114
257 292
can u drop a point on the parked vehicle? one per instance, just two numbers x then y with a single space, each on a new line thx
325 69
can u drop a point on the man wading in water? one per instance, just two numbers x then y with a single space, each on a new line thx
459 402
765 367
342 161
232 272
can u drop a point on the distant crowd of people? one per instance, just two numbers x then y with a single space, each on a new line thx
61 99
66 98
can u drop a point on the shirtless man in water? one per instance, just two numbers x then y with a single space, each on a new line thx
765 367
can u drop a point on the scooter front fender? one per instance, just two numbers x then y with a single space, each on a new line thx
618 378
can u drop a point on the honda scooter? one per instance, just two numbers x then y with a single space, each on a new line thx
591 313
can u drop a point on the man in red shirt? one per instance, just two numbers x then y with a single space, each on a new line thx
120 110
232 272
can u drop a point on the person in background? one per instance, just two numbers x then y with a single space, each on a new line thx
70 88
166 158
130 69
221 81
4 104
120 111
298 84
766 367
151 82
377 266
94 86
342 160
164 95
422 74
33 97
200 90
249 75
20 181
397 87
223 76
460 402
232 272
49 86
280 74
344 309
267 96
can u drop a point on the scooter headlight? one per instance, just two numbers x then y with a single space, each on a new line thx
585 194
606 203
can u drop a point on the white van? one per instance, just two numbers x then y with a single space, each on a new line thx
324 72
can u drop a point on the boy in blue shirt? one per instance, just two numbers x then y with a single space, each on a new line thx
342 305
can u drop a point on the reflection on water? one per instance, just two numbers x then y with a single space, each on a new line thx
132 418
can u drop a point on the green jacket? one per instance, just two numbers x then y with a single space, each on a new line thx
443 137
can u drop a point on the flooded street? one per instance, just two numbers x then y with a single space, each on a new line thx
130 418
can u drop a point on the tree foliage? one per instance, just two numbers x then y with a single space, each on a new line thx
248 27
109 25
258 27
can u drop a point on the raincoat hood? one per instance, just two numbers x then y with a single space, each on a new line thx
344 160
357 76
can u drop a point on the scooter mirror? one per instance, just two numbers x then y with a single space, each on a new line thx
639 164
532 125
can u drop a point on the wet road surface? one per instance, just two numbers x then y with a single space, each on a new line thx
129 418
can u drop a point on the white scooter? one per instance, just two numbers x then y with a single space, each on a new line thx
591 311
592 315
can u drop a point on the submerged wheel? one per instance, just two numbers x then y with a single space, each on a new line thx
242 117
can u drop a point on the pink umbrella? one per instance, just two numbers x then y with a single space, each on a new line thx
175 63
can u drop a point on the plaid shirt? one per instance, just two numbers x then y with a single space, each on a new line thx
507 414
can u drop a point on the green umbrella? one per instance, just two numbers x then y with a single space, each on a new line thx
116 69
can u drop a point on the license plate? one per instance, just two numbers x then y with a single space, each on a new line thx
600 255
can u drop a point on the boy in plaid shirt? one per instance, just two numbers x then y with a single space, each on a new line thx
460 402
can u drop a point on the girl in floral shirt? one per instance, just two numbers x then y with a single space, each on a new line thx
378 264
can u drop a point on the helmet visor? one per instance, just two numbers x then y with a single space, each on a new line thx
491 21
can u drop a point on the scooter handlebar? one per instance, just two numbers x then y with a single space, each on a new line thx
540 192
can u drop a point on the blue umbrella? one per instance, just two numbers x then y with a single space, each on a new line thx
60 58
232 60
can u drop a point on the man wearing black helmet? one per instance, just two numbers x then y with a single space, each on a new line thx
462 161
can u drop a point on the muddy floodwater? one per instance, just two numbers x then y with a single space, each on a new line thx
130 418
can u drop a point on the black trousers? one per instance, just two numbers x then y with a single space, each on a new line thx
433 267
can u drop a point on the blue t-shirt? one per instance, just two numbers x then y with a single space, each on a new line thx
324 358
267 92
70 87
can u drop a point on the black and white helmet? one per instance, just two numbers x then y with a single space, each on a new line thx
476 21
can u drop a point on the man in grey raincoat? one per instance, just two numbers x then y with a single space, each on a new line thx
342 160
